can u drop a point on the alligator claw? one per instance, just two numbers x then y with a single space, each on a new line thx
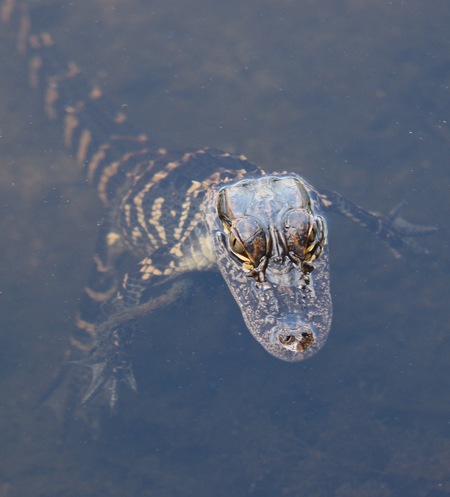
406 231
405 227
107 377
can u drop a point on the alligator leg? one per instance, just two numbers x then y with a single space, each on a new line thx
398 234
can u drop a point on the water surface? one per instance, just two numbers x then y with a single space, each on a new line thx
352 94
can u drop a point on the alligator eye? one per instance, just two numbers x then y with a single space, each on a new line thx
316 241
248 240
304 235
236 245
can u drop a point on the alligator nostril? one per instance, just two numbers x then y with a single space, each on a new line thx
299 340
286 339
307 339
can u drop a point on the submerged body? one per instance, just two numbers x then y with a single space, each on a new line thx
169 214
265 233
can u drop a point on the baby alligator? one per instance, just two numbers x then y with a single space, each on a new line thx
172 213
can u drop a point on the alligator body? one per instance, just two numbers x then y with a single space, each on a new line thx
172 213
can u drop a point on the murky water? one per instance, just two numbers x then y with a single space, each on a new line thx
352 94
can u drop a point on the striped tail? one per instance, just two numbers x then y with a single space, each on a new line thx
104 142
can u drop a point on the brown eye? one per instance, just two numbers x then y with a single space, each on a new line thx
316 241
297 231
312 235
304 235
236 245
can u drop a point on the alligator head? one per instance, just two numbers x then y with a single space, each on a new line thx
270 244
